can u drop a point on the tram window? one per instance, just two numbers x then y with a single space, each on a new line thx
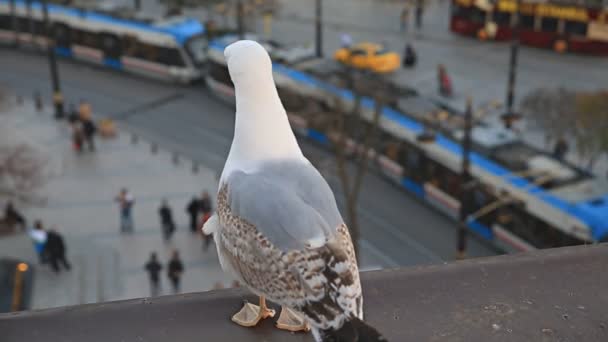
477 15
5 22
23 25
170 56
392 150
39 27
527 21
502 18
110 46
62 35
220 73
575 28
549 24
85 38
146 51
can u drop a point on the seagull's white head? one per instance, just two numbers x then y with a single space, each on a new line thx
262 131
248 63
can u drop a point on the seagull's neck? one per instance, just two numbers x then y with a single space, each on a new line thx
262 131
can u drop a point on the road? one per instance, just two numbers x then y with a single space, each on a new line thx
397 228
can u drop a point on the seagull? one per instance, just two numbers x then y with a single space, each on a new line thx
277 227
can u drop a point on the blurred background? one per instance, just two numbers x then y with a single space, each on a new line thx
447 129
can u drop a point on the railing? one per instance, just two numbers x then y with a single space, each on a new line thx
550 295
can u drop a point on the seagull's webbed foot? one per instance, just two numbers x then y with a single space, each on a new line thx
250 314
291 321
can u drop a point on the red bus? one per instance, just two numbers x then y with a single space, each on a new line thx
567 25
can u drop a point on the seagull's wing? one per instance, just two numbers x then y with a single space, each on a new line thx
290 204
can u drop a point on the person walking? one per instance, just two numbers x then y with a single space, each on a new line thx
445 84
409 56
89 129
39 237
418 13
193 210
55 251
175 271
206 208
166 220
404 17
77 136
125 202
153 267
560 149
346 40
73 115
84 110
14 218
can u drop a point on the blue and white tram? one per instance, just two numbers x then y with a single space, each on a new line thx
172 49
524 199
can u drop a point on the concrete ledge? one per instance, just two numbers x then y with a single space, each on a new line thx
551 295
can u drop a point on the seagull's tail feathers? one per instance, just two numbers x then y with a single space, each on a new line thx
353 330
212 225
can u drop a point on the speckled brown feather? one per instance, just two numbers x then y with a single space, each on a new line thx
323 283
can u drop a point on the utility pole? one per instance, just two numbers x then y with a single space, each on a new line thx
239 18
319 29
57 97
465 180
14 27
510 116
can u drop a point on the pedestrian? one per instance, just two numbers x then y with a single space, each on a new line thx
84 110
153 267
206 208
166 220
55 251
175 271
13 218
39 237
404 17
445 84
346 40
77 136
89 129
73 114
560 149
419 13
125 202
193 210
409 56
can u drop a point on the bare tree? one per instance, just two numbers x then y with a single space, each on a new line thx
21 173
353 134
552 110
564 113
591 128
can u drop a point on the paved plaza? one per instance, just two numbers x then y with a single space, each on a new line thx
79 202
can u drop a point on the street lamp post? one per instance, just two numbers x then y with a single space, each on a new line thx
239 19
318 29
510 116
465 180
14 27
57 97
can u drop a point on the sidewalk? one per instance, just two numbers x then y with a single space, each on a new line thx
79 202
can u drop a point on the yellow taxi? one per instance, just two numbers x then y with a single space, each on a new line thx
369 56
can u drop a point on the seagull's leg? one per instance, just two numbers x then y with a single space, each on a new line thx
252 314
291 320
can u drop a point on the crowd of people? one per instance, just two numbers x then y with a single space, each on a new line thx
198 210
